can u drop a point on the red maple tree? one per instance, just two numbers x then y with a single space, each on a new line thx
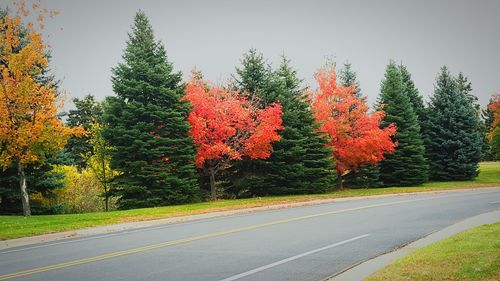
227 126
354 133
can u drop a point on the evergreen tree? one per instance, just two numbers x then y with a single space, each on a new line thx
254 75
41 179
465 87
452 130
495 143
366 175
407 165
87 111
487 121
300 162
252 79
147 127
411 92
348 77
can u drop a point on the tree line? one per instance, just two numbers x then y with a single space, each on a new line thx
162 141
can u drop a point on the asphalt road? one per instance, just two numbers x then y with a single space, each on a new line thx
305 243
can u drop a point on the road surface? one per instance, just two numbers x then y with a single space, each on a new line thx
305 243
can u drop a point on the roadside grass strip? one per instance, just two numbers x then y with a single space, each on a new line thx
470 255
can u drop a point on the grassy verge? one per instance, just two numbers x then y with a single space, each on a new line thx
470 255
15 227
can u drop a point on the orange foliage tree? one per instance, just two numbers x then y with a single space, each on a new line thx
494 133
354 133
494 107
29 126
227 126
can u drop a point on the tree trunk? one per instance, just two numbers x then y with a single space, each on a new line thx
105 183
213 191
106 197
341 182
24 190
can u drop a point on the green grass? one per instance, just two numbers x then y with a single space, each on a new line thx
470 255
17 226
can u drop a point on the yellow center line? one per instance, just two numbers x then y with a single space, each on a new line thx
190 239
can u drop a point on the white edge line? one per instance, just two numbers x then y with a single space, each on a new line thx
259 269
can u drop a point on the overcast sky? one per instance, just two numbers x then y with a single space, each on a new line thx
213 35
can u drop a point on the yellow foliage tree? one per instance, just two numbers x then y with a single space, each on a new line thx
82 192
29 126
98 160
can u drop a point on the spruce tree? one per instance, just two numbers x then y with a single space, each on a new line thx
486 122
300 162
251 79
147 127
407 165
366 175
411 92
41 179
348 77
466 87
254 74
452 130
86 112
495 143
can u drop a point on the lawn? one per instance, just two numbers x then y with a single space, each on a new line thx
17 226
470 255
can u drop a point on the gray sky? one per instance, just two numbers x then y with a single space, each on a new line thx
213 35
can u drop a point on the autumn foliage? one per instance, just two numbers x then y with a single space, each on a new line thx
354 133
494 133
29 126
227 126
494 107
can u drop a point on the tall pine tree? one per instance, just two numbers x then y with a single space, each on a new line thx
452 130
146 124
366 175
407 165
